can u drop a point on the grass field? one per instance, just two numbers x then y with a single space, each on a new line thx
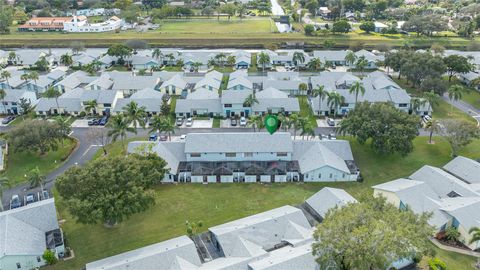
20 163
212 26
306 110
472 97
218 203
444 111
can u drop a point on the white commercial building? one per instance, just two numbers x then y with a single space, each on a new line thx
80 24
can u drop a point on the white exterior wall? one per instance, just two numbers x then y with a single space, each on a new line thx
265 178
280 178
26 262
84 26
390 196
240 157
197 179
226 178
212 178
250 178
328 174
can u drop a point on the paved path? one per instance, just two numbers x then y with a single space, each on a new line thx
455 249
464 107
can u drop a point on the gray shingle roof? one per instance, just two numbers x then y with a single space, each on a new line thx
329 198
235 96
312 155
464 168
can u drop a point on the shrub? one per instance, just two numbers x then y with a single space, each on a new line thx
452 234
436 264
82 114
309 29
49 257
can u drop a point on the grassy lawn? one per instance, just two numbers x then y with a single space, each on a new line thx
117 68
224 69
212 26
216 123
20 163
172 68
253 66
306 110
472 97
218 203
444 111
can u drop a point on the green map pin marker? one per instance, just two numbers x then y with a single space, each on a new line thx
271 123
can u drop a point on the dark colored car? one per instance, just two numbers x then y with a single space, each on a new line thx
93 122
103 121
15 202
233 122
45 194
30 198
152 137
8 119
163 138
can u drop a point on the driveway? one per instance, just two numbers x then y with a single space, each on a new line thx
322 123
80 123
201 123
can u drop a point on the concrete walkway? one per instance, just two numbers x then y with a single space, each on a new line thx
454 249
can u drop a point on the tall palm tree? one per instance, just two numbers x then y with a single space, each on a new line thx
231 59
196 66
315 64
211 62
135 114
350 58
157 54
335 99
433 126
167 126
256 121
3 94
295 123
51 92
25 77
455 93
119 126
250 100
64 125
357 88
416 103
5 75
298 58
263 59
13 57
306 128
220 58
156 124
33 75
35 178
432 98
4 183
66 59
475 232
171 59
321 93
361 63
90 106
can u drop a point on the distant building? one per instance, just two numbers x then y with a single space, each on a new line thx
70 24
45 24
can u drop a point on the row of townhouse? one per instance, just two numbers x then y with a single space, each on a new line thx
252 157
40 85
26 233
276 239
450 193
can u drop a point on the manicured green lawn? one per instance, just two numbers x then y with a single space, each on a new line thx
20 163
472 97
216 123
218 203
212 26
454 261
444 111
306 110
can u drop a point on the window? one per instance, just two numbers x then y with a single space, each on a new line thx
402 105
227 105
306 175
107 105
230 154
249 154
14 103
331 175
38 259
195 155
319 176
19 266
282 154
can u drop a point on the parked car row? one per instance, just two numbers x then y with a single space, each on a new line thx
98 121
29 198
8 119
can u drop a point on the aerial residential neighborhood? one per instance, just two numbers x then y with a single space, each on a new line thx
239 135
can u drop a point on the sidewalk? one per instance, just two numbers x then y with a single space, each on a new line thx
454 249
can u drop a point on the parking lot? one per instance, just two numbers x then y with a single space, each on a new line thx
226 123
323 122
80 123
204 123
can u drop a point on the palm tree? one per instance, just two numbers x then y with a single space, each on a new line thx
432 126
119 126
263 59
250 100
156 124
64 125
315 64
298 58
362 62
294 120
302 88
34 76
220 58
3 94
475 232
256 121
211 62
350 58
196 66
4 182
135 114
66 60
432 98
5 75
417 103
35 178
231 59
335 99
306 128
51 92
157 54
357 88
321 93
90 106
13 57
455 93
167 126
25 77
170 58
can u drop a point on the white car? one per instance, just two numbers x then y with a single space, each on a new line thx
183 137
189 122
243 121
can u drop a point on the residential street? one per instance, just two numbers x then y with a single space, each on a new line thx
464 107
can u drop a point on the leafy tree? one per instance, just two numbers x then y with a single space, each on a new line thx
165 107
6 18
452 234
49 257
121 188
250 100
425 24
122 4
263 60
389 129
382 234
230 9
315 64
42 64
35 178
35 135
25 106
119 50
154 3
328 44
135 115
119 126
208 11
298 58
367 26
455 93
136 45
357 88
341 26
350 58
193 227
4 183
419 66
51 92
457 64
77 47
438 85
432 126
321 93
13 57
5 75
459 133
312 7
66 60
334 100
309 29
475 232
3 94
99 136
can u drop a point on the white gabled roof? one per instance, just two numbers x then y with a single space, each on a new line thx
312 155
329 198
287 258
